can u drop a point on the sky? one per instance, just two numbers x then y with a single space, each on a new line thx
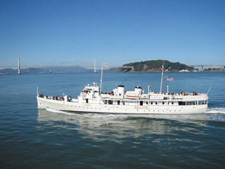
54 32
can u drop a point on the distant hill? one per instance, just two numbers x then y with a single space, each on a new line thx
8 71
76 69
155 66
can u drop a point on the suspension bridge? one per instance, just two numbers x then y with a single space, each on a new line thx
19 66
203 68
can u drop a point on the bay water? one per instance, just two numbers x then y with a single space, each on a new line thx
32 138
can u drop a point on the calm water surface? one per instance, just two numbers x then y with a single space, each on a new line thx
32 138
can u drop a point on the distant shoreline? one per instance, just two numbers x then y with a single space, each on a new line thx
107 72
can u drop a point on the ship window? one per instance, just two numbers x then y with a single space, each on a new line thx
146 102
141 103
86 100
180 103
201 102
162 102
151 102
191 103
118 102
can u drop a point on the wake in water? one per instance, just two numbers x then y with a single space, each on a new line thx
216 110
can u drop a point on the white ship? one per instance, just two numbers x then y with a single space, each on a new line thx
92 100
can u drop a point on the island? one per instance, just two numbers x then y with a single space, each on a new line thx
155 66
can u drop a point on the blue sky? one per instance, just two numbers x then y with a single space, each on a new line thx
114 31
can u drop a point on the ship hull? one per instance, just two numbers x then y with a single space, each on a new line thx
73 106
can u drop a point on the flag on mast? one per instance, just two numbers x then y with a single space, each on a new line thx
169 79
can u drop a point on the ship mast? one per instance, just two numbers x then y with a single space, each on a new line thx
101 79
161 79
103 65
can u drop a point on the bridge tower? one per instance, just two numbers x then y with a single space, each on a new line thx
95 66
19 72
